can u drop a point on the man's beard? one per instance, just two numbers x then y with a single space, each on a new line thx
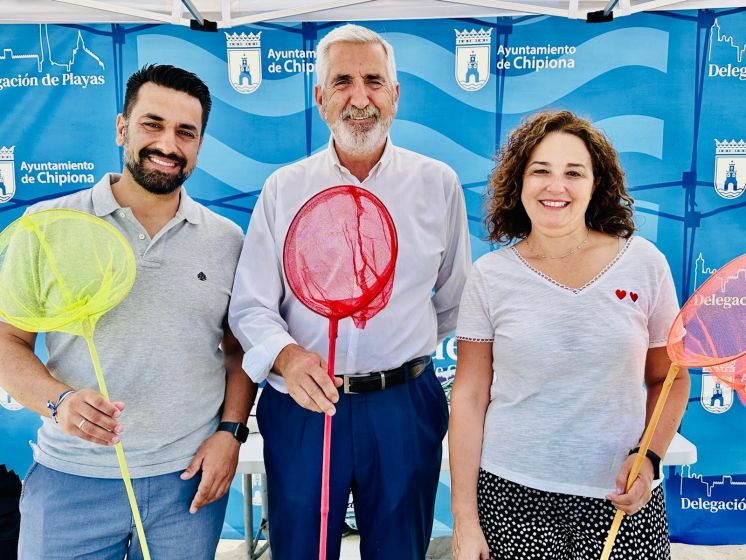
356 141
155 181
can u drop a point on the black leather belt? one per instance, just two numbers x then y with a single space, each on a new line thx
379 380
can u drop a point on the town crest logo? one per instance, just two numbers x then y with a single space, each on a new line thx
730 168
473 58
244 61
716 397
7 174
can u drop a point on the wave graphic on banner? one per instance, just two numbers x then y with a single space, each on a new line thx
275 100
231 167
626 132
629 133
262 138
634 133
468 129
266 108
433 143
462 145
415 54
632 46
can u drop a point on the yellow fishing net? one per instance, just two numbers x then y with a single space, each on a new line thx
61 270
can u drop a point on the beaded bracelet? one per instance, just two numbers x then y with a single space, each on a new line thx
54 406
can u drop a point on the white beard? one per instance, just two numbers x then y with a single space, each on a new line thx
360 142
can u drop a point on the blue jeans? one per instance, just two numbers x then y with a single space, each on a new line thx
64 516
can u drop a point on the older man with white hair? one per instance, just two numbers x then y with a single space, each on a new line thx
390 413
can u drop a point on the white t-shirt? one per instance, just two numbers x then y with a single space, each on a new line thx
567 401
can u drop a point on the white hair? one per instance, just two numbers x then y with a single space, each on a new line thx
350 33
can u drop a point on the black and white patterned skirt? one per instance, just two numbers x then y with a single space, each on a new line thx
522 523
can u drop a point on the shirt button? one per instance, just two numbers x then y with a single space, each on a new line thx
121 213
141 236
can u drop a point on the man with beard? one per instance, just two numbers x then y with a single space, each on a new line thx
390 413
173 367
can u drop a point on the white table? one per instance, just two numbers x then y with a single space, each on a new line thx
680 452
251 461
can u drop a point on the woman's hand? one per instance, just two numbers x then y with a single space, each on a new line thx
468 541
633 500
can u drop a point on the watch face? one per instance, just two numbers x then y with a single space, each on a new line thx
239 431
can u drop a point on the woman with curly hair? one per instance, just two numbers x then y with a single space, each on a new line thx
561 357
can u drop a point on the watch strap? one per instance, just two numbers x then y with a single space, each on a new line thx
654 459
239 430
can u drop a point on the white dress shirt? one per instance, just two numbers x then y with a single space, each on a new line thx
426 202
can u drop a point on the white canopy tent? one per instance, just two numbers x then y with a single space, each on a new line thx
231 13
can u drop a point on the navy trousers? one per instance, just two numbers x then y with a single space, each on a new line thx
386 448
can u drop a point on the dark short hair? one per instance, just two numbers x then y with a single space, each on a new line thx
610 209
171 77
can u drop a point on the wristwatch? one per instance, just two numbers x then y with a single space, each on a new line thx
654 459
240 431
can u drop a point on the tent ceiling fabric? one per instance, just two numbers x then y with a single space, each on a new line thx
230 13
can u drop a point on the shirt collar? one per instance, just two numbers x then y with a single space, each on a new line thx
386 157
188 208
104 202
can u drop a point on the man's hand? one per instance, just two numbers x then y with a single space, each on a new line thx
307 379
217 457
632 501
88 415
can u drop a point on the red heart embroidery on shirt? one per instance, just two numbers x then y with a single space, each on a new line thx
633 296
621 293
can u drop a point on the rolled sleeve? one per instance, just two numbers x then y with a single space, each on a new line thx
258 361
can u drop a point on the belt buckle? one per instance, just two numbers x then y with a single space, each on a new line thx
346 385
416 369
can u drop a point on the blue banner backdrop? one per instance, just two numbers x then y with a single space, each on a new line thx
665 86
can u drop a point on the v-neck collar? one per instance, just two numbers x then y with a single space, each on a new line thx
585 286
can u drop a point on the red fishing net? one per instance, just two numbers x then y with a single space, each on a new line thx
340 253
339 258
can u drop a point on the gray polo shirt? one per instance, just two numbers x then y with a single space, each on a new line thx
159 348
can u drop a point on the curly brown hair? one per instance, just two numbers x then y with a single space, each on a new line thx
610 208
